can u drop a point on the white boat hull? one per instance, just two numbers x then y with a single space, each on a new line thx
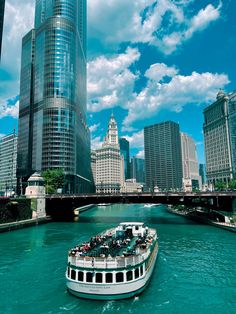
113 291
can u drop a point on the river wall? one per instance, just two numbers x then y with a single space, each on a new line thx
15 209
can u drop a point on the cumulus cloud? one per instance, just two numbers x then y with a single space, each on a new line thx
96 142
94 127
136 140
165 24
180 91
110 81
18 20
140 154
9 108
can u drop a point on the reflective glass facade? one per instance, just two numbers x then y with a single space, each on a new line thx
2 7
124 151
60 136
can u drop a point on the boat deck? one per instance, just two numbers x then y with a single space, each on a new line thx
109 245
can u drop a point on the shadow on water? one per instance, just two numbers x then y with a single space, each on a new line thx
151 220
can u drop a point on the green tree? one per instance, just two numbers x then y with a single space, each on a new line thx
220 185
232 185
54 179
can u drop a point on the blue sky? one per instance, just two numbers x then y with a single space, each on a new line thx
148 61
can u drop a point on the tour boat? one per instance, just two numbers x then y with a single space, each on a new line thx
116 264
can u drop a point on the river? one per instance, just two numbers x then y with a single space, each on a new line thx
195 271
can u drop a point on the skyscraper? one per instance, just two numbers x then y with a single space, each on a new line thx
220 140
2 9
163 163
109 162
202 172
8 150
190 162
124 151
137 169
52 120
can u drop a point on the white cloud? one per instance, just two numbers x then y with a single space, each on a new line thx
94 127
180 91
141 154
9 110
203 19
18 20
136 140
110 81
96 143
165 24
158 71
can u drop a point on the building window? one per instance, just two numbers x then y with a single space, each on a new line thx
89 277
99 277
119 277
80 276
109 278
129 275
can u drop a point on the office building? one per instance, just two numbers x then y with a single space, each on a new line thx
191 177
52 117
2 9
202 173
220 141
93 165
124 151
137 169
8 154
163 163
109 162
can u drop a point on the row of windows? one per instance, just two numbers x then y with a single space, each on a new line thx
108 278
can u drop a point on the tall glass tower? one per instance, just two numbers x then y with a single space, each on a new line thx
52 127
2 8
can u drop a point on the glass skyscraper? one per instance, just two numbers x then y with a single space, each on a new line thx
2 9
124 151
52 121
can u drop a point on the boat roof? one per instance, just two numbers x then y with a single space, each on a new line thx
132 223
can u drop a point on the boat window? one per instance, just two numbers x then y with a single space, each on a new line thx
73 274
108 277
99 277
89 277
68 271
141 270
80 276
136 273
119 277
136 227
129 275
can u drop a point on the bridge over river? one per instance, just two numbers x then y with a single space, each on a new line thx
63 205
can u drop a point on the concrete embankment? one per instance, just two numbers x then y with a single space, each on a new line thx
204 220
23 224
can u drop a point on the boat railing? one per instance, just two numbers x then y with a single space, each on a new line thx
108 262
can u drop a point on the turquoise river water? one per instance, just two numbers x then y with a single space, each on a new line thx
195 271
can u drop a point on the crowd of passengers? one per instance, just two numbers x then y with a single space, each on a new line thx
109 245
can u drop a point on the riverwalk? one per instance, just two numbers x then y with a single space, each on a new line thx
23 224
223 225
